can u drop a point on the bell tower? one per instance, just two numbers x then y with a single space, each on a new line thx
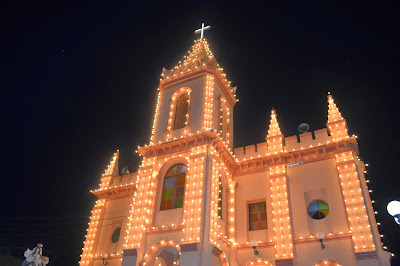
184 183
194 96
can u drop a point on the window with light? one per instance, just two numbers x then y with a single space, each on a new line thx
174 187
257 216
318 209
181 111
115 235
220 195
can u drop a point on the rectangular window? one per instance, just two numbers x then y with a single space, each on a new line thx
220 193
221 118
257 216
173 192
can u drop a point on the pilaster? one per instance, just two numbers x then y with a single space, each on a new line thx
354 202
280 213
192 213
142 206
92 236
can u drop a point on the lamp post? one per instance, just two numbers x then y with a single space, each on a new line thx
254 244
104 256
393 209
321 237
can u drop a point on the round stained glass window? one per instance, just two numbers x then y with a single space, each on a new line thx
318 209
115 235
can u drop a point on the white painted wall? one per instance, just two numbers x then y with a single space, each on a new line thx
314 177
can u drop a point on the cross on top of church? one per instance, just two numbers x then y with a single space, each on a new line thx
202 29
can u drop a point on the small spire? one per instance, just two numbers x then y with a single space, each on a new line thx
112 168
333 112
198 52
336 124
274 129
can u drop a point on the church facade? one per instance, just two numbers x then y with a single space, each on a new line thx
297 200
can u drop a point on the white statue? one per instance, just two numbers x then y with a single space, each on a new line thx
34 257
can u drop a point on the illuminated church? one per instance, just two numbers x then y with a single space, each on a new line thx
194 200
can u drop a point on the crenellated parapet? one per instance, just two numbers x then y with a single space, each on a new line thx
277 143
291 143
251 151
307 140
301 156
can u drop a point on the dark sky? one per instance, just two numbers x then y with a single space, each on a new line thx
78 81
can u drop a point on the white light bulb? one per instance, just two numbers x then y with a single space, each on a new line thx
320 236
393 207
253 243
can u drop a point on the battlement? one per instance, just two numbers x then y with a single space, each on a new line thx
125 179
291 143
306 140
251 151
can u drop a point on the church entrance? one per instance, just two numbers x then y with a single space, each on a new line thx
167 257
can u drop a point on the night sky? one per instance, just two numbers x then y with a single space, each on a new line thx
79 81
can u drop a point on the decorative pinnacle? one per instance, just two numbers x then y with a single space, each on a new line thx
273 126
113 166
333 112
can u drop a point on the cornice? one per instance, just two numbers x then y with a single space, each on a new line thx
328 237
259 164
187 76
236 168
309 155
165 229
185 144
196 73
115 192
261 244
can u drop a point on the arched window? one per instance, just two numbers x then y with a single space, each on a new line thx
174 187
181 111
221 118
115 235
220 198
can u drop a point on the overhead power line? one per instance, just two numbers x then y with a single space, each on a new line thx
54 218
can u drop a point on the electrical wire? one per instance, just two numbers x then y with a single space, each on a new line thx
48 233
103 219
43 234
43 218
53 218
47 224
